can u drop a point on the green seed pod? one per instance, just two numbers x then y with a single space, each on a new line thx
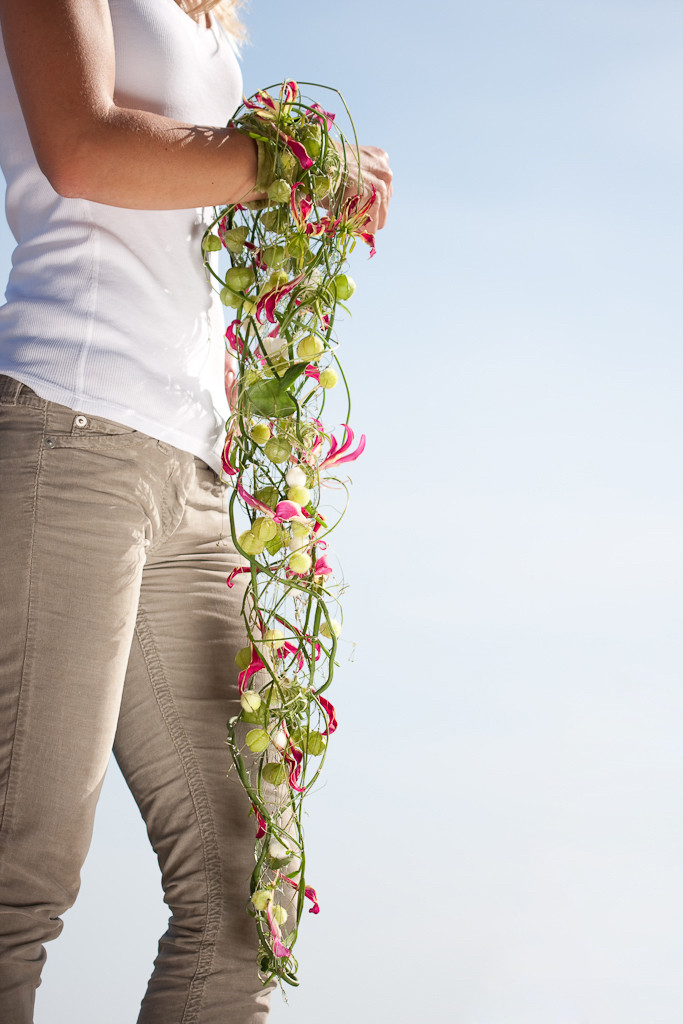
264 528
277 449
325 629
311 137
243 658
297 246
250 701
310 347
269 219
250 543
300 562
289 163
274 772
314 744
235 238
273 256
344 286
239 278
301 495
260 433
257 740
268 495
211 243
229 298
279 191
321 186
329 378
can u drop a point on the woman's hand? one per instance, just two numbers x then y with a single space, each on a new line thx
375 170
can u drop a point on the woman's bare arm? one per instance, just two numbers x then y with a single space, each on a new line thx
61 53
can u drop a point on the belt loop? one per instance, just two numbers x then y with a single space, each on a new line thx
9 389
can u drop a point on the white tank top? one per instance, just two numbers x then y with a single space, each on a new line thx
108 310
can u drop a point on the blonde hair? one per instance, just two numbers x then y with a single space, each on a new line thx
225 10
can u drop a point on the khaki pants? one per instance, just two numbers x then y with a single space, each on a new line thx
117 630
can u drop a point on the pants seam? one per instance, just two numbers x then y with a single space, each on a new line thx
20 696
200 801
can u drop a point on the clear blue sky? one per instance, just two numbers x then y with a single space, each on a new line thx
500 836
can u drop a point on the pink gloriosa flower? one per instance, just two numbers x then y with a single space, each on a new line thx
254 666
279 949
309 892
341 453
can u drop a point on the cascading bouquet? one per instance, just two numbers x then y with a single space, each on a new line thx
287 279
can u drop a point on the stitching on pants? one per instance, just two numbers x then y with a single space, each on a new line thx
200 801
20 695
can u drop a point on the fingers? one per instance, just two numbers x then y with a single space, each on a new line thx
374 165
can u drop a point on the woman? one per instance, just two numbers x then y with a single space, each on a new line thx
117 628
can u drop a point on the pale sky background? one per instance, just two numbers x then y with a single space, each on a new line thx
499 839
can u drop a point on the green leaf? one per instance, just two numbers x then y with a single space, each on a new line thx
270 398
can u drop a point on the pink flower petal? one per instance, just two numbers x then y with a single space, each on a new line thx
309 892
236 572
330 714
251 670
254 502
279 949
285 510
261 824
322 568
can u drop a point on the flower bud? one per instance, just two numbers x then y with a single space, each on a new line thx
277 449
279 191
235 238
260 433
275 848
301 495
257 740
297 542
300 562
250 701
239 278
280 739
243 658
250 543
263 528
296 477
311 347
328 378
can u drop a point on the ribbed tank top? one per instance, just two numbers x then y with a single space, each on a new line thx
108 310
